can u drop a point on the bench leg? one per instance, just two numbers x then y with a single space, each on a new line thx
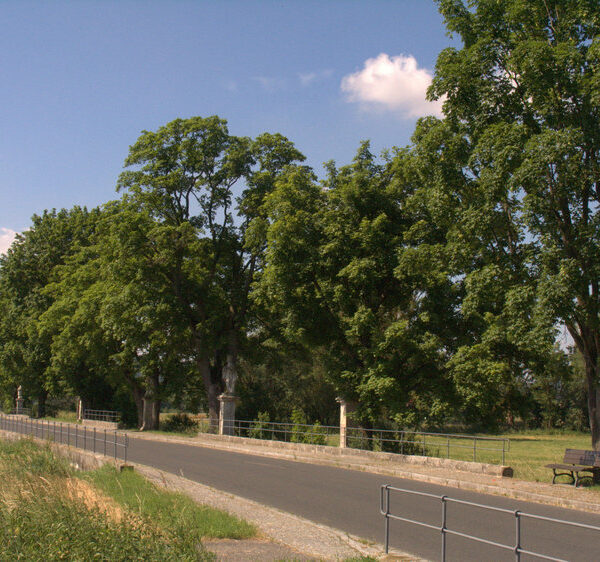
570 474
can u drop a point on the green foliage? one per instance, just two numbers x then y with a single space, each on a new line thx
260 428
181 423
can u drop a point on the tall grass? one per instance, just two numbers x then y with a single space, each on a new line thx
173 511
48 511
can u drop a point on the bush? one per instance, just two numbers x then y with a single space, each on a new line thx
180 423
259 428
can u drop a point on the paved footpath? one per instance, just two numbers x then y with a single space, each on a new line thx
348 500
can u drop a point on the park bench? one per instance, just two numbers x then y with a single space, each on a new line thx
576 463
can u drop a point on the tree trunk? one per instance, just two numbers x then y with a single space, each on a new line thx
593 396
230 374
212 389
138 397
42 396
151 409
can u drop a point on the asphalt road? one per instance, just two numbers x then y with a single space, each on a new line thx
349 500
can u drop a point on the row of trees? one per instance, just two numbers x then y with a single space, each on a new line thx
426 285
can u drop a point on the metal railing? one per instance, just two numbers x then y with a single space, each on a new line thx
20 412
516 548
107 442
404 442
290 432
102 415
428 444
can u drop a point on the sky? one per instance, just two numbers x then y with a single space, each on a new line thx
82 79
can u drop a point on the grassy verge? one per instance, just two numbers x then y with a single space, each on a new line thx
46 507
172 511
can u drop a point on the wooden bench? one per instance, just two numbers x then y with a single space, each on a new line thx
576 462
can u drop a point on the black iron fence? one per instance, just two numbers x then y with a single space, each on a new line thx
107 442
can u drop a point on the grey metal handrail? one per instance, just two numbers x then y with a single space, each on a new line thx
384 508
404 441
110 443
101 415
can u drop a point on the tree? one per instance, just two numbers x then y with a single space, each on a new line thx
184 176
115 319
521 96
345 277
25 270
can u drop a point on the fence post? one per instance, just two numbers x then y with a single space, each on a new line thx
115 445
517 536
474 449
443 498
387 520
84 437
76 436
105 442
94 439
503 445
448 444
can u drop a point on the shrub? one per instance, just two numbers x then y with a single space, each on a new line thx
259 428
181 423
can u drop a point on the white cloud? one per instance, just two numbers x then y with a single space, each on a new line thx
306 79
392 83
270 84
6 238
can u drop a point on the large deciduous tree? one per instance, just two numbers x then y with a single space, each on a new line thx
25 270
347 279
206 188
521 95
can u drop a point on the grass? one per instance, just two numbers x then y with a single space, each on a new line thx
170 510
46 507
531 450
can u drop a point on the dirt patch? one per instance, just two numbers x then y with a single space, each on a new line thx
94 500
250 550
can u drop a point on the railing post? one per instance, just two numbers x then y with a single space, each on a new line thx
115 445
448 445
517 535
61 437
387 520
423 444
76 439
503 445
94 439
443 529
474 449
105 442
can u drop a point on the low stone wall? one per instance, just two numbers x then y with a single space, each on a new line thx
338 452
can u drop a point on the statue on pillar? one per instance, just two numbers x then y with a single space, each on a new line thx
19 401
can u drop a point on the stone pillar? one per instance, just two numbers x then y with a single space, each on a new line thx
19 400
227 414
343 422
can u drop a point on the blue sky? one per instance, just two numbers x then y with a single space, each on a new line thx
80 80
